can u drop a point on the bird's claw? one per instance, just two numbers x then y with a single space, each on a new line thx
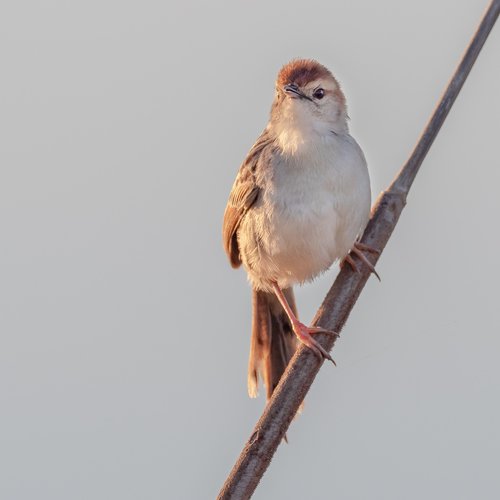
358 250
304 334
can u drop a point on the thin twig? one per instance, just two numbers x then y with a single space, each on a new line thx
333 313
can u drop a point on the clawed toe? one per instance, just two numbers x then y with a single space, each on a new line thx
327 356
358 250
304 334
349 260
366 248
318 329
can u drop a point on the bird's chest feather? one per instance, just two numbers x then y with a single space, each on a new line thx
300 200
311 210
311 189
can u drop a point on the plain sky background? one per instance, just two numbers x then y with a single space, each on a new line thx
124 332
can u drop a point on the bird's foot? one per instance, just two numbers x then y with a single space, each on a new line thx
358 249
304 334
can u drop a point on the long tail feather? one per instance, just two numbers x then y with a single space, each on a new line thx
273 341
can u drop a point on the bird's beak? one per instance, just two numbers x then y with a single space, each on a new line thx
293 91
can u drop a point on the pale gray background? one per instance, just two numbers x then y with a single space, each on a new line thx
124 333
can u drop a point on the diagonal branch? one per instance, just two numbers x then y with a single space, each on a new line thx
333 313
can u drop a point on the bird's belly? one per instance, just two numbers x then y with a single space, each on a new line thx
296 241
304 242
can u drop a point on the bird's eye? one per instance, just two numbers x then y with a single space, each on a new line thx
319 94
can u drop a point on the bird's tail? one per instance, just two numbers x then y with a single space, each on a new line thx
273 341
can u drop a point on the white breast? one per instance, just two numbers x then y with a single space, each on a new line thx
313 205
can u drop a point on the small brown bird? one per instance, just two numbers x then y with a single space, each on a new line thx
300 200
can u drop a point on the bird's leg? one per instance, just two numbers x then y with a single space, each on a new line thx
304 333
358 249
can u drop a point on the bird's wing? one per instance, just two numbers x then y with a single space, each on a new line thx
244 194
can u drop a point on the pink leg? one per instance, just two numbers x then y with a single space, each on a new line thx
304 333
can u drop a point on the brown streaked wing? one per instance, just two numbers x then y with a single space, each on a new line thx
244 194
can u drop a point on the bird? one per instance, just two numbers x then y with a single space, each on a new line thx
300 201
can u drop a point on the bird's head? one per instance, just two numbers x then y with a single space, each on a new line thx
308 101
